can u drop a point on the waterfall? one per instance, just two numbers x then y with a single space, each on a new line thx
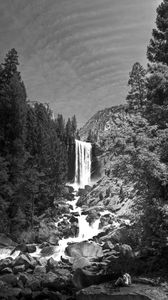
82 163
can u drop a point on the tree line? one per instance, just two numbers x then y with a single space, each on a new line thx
36 152
143 155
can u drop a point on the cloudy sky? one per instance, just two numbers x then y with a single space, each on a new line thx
77 54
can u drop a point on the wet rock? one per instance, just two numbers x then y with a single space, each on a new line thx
134 292
70 197
82 192
88 188
48 250
52 264
53 239
73 219
93 216
75 213
81 262
42 261
84 249
31 248
70 188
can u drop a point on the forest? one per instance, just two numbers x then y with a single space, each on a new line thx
36 152
37 160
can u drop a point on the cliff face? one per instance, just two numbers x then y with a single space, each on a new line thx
112 131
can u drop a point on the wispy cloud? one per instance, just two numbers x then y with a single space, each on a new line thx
76 54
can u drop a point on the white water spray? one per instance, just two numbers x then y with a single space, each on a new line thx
82 163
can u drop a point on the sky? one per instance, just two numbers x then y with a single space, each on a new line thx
76 55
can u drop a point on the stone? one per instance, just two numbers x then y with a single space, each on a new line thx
6 241
5 263
83 278
10 279
39 270
18 269
108 245
84 249
48 251
26 260
52 264
70 188
31 248
33 283
57 281
53 239
9 293
42 261
6 271
26 293
82 192
73 219
133 292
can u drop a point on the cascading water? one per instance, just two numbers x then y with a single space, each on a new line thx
82 163
82 178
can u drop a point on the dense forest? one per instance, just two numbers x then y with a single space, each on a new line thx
142 155
36 152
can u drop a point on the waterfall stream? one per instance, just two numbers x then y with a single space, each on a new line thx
82 163
82 178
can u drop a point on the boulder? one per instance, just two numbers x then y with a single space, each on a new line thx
53 239
134 292
73 219
82 192
52 264
81 262
10 279
57 281
70 188
5 263
39 270
6 241
84 249
26 260
84 278
30 281
31 248
48 251
18 269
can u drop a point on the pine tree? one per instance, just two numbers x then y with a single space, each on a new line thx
158 48
136 97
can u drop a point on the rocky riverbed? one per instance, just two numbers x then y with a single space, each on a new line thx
79 252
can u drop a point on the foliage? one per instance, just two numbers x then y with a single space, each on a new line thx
136 97
158 47
34 151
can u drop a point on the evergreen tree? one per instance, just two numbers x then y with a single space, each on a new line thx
158 48
136 97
